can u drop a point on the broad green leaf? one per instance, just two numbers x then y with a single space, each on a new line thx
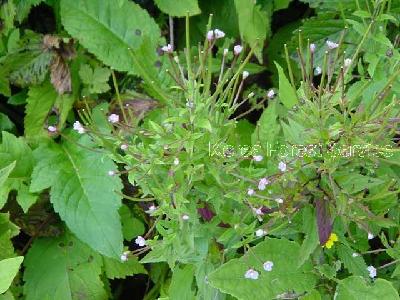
4 84
16 150
7 296
62 268
281 4
127 41
39 103
117 269
355 288
355 264
8 270
287 93
181 283
254 24
311 240
178 8
284 276
82 192
354 183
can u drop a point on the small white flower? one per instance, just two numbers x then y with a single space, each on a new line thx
245 74
78 127
331 45
167 49
312 48
189 104
210 35
355 254
279 200
251 95
370 236
218 34
176 161
226 52
111 173
263 183
124 256
251 274
113 118
151 209
237 49
347 62
268 266
282 166
317 70
140 241
250 192
124 146
185 217
271 94
372 271
52 129
260 232
258 157
258 211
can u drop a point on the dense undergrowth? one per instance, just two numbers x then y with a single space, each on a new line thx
199 149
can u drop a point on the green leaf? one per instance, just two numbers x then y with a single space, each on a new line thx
8 270
39 103
23 8
355 288
4 84
82 192
310 229
254 24
7 231
287 93
131 227
16 150
5 172
62 268
356 265
96 80
5 123
181 283
123 42
178 8
285 275
117 269
267 127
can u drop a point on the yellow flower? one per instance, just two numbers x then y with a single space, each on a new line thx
331 240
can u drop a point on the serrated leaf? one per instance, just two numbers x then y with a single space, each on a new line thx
355 288
356 265
8 270
117 269
82 192
39 103
254 24
178 8
285 275
123 42
15 149
287 93
62 268
96 80
5 172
